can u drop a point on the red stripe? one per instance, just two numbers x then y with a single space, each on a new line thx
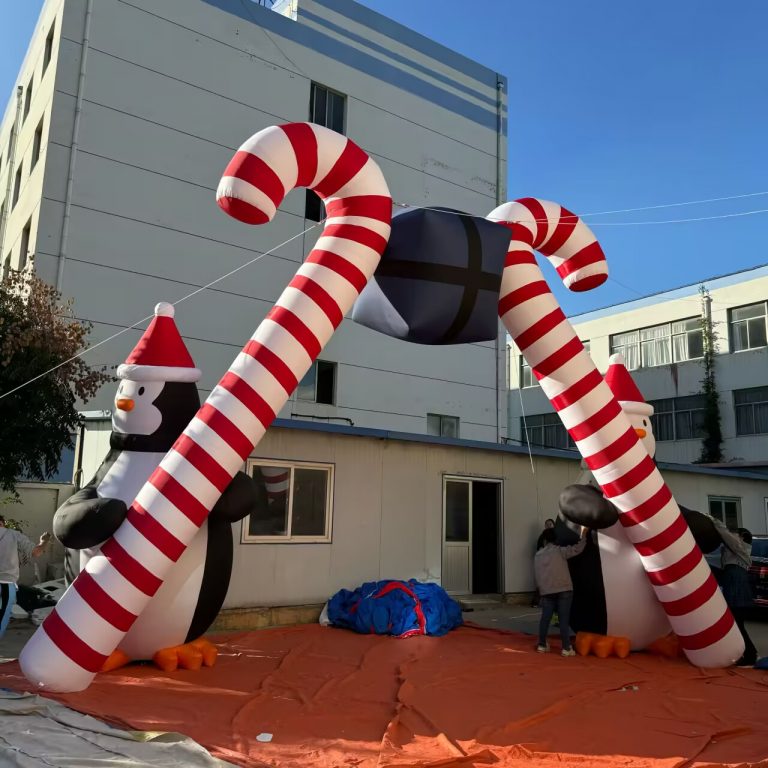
540 328
102 604
596 421
273 364
676 571
662 540
351 160
520 233
304 143
357 234
559 359
577 391
131 568
256 172
629 480
155 533
179 496
540 217
520 256
250 398
71 645
691 602
612 452
297 328
201 460
320 296
377 207
648 508
226 430
590 254
242 211
340 266
563 230
708 636
521 295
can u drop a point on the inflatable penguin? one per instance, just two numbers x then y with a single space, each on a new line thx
156 399
612 595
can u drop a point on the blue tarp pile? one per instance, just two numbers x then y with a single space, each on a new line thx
400 608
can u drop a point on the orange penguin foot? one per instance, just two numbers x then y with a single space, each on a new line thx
192 656
115 660
668 646
601 646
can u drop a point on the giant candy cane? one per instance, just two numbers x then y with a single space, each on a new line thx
680 577
98 609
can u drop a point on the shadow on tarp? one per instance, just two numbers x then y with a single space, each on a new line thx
330 697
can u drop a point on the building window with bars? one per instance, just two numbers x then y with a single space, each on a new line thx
16 187
751 407
440 425
660 344
48 49
326 108
545 430
748 327
36 144
295 502
28 98
527 379
726 509
319 383
678 418
24 251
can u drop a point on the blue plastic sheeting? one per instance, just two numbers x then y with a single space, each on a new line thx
399 608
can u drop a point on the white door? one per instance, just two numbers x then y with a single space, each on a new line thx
457 536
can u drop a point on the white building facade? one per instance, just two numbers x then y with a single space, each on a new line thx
125 117
661 338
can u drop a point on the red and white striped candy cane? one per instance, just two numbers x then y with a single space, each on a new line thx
94 614
675 566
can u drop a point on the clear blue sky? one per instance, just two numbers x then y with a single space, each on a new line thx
611 105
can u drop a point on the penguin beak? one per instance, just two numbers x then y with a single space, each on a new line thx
125 404
641 433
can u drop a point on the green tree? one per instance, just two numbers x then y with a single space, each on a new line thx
712 441
38 332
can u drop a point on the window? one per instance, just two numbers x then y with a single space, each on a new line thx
319 384
28 98
751 406
48 49
326 108
295 502
36 142
442 426
726 509
527 379
660 344
24 252
16 187
678 418
6 267
748 327
545 430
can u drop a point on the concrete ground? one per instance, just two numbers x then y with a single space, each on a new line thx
494 615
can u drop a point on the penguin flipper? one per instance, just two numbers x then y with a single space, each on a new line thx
240 498
585 505
703 529
85 519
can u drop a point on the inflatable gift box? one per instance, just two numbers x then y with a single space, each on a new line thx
438 281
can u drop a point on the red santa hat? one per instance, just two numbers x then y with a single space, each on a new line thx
161 354
624 388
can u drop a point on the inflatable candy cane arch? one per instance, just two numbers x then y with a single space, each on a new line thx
97 610
675 566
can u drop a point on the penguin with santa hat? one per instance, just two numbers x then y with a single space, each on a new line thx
612 596
155 401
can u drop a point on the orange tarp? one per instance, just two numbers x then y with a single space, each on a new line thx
333 698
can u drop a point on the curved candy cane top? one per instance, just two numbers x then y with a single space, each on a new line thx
560 235
603 434
93 616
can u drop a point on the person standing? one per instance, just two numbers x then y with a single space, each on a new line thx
14 547
548 523
736 559
553 580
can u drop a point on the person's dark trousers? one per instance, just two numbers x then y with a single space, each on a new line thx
560 602
750 652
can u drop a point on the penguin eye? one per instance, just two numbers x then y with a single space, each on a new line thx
645 423
141 391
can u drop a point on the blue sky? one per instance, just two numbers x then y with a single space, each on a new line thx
612 105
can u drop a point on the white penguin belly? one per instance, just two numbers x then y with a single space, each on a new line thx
631 605
168 615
